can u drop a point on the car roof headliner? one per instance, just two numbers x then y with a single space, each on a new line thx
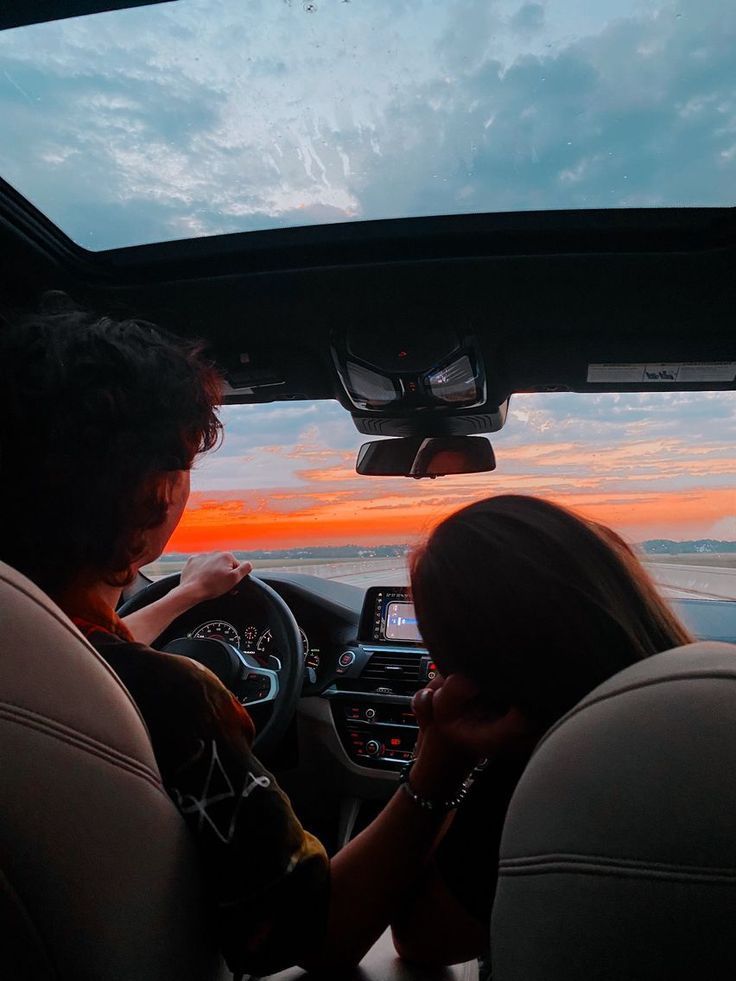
546 293
20 13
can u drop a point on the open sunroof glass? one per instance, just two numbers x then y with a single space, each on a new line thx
203 117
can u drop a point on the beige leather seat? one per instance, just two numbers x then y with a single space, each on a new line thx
97 875
98 879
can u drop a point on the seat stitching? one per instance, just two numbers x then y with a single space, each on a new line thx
91 750
616 873
64 729
525 860
85 745
595 865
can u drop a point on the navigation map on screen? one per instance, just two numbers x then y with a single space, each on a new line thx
401 622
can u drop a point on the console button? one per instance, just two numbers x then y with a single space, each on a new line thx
370 713
372 747
346 659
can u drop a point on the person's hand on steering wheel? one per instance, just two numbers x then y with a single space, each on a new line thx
211 574
204 577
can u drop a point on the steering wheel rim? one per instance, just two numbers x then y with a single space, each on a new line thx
285 631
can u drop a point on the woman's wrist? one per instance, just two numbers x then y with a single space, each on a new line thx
439 769
439 805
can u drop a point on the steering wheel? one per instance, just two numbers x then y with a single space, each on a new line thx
254 686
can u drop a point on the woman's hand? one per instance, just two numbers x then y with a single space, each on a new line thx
457 728
210 575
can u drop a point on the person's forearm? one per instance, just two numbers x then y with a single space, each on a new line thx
372 874
146 624
434 928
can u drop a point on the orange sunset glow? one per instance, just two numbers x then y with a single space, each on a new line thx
232 524
649 466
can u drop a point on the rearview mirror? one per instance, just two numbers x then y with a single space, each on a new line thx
415 456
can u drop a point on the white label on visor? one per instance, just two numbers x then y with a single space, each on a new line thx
682 372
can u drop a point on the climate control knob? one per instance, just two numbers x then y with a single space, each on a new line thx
372 747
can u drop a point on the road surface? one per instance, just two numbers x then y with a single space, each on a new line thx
677 580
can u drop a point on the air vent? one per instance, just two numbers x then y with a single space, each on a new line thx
393 667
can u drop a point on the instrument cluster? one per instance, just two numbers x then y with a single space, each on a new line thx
254 640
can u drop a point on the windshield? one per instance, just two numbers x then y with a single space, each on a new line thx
659 468
202 117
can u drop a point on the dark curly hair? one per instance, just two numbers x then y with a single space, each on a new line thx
93 412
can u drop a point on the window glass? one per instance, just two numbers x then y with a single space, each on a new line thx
659 468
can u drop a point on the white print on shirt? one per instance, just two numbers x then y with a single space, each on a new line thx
189 804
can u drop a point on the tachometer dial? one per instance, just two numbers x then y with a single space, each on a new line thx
266 646
218 630
250 636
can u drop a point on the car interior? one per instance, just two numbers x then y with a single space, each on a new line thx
423 329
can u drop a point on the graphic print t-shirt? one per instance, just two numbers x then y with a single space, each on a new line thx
267 878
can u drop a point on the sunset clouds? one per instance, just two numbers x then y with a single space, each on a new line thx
651 465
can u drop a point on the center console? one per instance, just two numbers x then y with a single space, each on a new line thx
377 677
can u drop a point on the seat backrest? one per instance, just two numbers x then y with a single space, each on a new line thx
97 874
618 857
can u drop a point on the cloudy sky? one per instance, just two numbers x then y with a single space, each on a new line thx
207 116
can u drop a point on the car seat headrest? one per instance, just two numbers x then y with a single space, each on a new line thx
618 858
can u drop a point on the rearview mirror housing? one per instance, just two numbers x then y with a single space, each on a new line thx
415 456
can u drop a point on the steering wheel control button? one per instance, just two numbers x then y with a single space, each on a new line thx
256 688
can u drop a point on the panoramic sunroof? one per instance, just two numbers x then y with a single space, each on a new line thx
201 117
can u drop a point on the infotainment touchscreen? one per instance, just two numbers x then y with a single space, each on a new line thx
401 622
389 617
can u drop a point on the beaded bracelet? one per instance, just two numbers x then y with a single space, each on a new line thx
442 806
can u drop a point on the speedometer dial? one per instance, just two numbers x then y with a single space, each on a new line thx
218 630
266 646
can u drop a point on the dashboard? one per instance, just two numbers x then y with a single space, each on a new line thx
365 658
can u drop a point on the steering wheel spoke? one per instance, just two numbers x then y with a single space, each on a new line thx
257 685
252 684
